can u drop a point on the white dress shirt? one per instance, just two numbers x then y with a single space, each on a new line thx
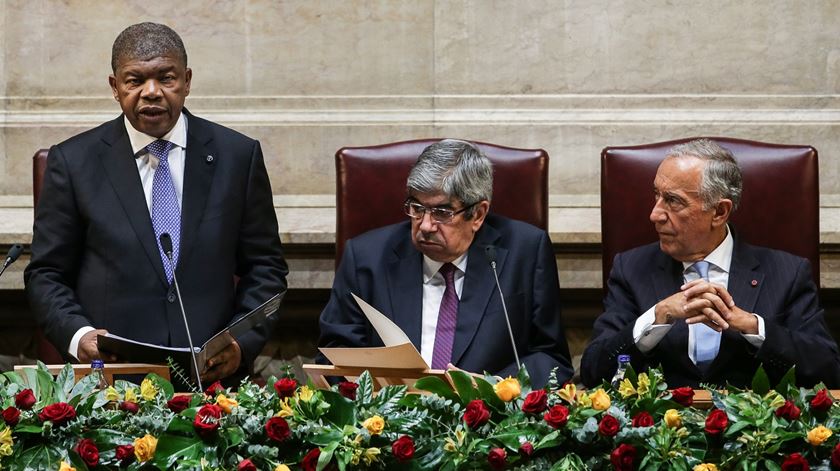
433 288
146 166
647 335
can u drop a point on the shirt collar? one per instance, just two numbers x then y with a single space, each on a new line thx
177 135
431 267
721 256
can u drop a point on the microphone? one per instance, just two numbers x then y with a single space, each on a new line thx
166 245
14 253
490 253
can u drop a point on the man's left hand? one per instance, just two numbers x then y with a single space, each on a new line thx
223 364
717 305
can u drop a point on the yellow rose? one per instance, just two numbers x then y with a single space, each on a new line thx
281 467
370 455
672 418
600 400
285 409
818 435
148 389
226 403
705 467
64 466
374 425
568 393
305 393
111 394
508 389
144 448
643 385
130 395
626 388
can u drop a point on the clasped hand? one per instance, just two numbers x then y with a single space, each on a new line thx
700 301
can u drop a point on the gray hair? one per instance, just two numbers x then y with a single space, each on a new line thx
455 168
146 41
721 177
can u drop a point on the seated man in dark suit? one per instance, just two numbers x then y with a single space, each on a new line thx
701 302
431 276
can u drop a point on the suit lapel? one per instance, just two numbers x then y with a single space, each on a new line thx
118 161
198 177
479 286
405 288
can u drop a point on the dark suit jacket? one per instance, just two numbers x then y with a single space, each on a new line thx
773 284
95 259
385 269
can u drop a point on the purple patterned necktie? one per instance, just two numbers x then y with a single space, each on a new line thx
447 317
166 213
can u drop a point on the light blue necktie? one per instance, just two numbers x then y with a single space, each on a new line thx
166 213
706 339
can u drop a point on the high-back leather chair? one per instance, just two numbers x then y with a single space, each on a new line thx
47 353
370 185
779 206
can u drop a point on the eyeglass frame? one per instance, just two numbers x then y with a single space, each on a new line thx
409 202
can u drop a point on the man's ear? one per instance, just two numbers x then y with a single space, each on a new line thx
479 213
723 211
112 81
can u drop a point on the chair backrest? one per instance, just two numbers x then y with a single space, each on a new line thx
370 185
47 352
779 206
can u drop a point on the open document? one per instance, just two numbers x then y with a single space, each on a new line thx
129 350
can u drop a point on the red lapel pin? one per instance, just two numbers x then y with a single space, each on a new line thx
754 282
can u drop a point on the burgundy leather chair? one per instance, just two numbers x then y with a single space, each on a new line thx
47 353
779 206
370 185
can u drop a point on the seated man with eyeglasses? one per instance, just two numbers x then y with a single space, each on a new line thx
431 276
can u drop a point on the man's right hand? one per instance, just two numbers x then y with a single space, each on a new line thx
89 349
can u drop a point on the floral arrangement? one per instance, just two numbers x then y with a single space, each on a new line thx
483 423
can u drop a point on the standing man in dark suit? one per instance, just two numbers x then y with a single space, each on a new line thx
431 276
703 304
108 195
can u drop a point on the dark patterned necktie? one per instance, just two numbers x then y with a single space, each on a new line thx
166 213
447 320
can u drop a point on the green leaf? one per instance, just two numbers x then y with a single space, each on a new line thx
364 393
771 466
38 458
64 382
488 394
165 386
787 383
342 411
435 385
760 382
171 448
464 386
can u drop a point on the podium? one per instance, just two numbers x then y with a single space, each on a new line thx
382 376
109 371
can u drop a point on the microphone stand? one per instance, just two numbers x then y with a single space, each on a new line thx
490 252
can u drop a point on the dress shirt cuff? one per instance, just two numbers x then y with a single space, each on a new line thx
74 342
646 335
756 340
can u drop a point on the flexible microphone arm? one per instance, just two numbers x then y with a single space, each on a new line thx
166 244
14 253
490 252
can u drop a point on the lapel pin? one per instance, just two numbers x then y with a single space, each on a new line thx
209 159
754 282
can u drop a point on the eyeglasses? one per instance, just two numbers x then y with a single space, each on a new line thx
439 215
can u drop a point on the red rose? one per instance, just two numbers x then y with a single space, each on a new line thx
11 416
476 414
178 403
557 416
246 465
58 413
25 399
88 451
821 402
125 453
683 396
835 456
608 426
643 419
622 457
214 389
795 462
285 387
348 389
310 461
716 422
526 449
403 448
535 402
788 411
497 458
130 407
277 429
207 420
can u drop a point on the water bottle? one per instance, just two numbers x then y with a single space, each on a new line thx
623 361
97 369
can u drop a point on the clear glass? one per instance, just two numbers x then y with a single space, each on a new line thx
97 369
623 361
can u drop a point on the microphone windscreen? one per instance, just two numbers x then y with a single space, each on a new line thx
166 242
490 253
14 252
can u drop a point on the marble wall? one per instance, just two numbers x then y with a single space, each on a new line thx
309 76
